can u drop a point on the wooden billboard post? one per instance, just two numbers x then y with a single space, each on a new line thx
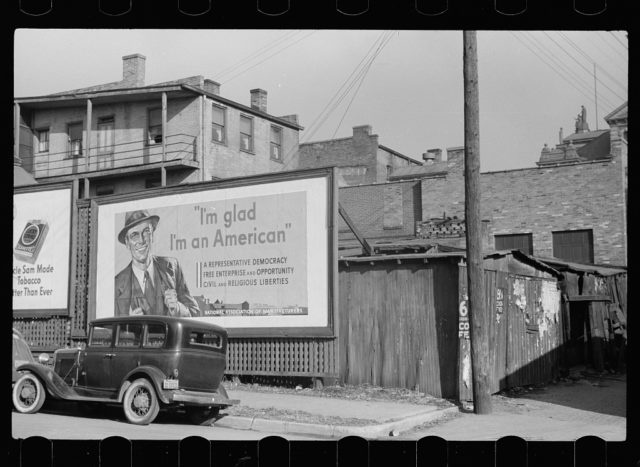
480 352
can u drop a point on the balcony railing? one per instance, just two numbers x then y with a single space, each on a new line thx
179 147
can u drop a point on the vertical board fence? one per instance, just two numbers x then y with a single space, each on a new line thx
398 324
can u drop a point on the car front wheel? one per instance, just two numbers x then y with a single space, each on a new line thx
28 394
140 402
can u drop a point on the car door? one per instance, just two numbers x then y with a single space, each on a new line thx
96 362
126 351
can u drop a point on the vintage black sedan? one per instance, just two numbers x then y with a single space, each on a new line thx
143 362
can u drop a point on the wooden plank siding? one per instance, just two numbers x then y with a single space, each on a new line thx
398 325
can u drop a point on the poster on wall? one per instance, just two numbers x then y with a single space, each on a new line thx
41 249
244 257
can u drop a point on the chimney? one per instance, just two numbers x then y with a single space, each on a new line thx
133 70
259 100
362 130
433 155
212 87
560 135
293 118
428 157
455 153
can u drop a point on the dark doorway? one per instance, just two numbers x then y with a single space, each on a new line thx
578 349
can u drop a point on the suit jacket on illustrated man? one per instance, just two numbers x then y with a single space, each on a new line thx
167 275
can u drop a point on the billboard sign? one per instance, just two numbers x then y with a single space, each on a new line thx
41 250
252 256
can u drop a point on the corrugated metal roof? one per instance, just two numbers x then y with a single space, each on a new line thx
599 269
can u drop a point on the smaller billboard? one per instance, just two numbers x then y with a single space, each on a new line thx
41 249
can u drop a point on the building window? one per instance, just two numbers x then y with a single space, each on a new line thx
522 242
276 143
154 129
104 190
106 135
218 120
573 245
43 140
74 130
246 133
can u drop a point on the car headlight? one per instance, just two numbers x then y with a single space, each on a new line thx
43 358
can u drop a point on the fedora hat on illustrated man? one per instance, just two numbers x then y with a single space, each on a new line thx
133 218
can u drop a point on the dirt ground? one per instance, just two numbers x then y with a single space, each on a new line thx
562 411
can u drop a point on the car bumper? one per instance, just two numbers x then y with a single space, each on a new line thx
201 398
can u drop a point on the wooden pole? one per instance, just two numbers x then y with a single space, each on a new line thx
163 170
478 317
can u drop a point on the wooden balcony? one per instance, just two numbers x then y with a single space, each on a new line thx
180 152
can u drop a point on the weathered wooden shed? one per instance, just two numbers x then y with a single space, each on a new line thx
590 294
402 321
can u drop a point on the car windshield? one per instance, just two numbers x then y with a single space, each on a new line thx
21 352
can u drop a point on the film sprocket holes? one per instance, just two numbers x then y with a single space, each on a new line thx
31 240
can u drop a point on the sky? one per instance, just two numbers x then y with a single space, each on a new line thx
407 85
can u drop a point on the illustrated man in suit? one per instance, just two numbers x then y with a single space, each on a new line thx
150 284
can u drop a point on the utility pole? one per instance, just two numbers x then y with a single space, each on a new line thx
479 321
595 91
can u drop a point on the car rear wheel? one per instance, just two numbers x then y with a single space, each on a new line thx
140 402
28 394
202 415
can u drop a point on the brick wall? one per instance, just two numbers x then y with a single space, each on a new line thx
227 160
372 207
543 200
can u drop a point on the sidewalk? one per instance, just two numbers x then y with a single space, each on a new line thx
566 410
324 416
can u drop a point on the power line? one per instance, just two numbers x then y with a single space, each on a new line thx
615 49
619 41
332 104
559 70
380 47
586 56
581 65
270 56
606 54
248 58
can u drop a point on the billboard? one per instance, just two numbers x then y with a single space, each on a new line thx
41 250
252 256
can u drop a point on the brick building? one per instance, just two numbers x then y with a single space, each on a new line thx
360 158
572 208
126 136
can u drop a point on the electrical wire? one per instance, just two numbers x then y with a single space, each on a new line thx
251 56
556 69
338 96
270 56
582 66
588 58
619 41
615 49
382 46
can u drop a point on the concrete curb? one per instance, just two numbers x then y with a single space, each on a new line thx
366 431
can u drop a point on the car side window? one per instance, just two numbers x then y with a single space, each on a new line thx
156 335
129 335
207 338
101 336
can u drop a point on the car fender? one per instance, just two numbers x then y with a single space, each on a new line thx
55 385
150 372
